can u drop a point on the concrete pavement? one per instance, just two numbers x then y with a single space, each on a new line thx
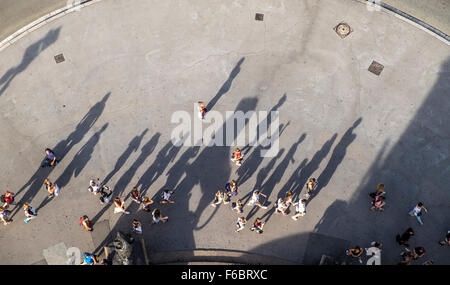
107 110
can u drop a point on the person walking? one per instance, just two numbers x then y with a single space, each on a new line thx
86 223
356 252
311 185
281 207
52 188
50 159
166 197
417 212
237 206
231 188
446 240
135 196
8 199
378 203
300 209
4 216
418 252
157 217
241 222
258 226
237 156
255 199
119 206
404 238
30 212
146 202
289 199
136 226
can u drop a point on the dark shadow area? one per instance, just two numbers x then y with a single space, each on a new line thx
36 181
226 86
133 146
31 53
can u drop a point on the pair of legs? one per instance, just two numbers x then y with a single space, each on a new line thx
417 217
120 210
168 201
157 220
256 203
297 215
259 230
237 161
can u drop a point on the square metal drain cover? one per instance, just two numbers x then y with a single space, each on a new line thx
343 30
259 17
59 58
376 68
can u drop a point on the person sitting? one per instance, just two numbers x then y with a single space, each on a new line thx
50 158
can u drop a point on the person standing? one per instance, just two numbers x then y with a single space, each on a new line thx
417 212
232 188
119 206
105 195
157 217
146 202
30 212
86 223
418 252
136 226
311 185
289 199
52 188
50 159
237 156
202 110
241 222
95 187
4 216
378 203
166 197
135 196
258 226
404 238
300 209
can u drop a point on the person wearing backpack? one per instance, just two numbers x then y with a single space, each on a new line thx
94 187
104 195
30 213
86 223
135 196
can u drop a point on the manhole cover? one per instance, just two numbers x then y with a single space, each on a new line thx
376 67
59 58
343 30
259 17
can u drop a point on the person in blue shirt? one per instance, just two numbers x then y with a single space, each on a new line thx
89 258
50 158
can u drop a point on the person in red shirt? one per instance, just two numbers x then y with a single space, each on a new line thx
8 199
237 156
202 110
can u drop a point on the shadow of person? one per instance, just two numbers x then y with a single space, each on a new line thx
30 54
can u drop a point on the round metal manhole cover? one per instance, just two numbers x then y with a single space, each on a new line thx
343 29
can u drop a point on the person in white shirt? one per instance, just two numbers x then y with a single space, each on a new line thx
166 197
255 199
281 207
300 209
94 187
417 212
241 224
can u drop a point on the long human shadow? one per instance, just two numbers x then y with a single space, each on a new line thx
133 146
79 161
166 155
226 85
254 160
126 178
61 149
269 185
337 156
31 53
299 177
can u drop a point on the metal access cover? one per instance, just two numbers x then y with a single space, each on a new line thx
343 30
259 17
59 58
376 67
